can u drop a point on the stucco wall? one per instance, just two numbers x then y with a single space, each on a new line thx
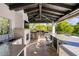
5 12
25 17
19 22
16 19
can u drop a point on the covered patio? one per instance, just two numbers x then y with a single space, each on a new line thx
21 41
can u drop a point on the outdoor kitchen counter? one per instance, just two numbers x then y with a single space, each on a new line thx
70 44
9 49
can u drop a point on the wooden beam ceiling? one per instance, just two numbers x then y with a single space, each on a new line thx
62 5
50 10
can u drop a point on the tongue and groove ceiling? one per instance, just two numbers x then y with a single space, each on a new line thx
44 12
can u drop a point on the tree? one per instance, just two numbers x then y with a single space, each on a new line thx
76 27
32 26
41 27
69 29
49 27
64 27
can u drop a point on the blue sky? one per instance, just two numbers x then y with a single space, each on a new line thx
73 21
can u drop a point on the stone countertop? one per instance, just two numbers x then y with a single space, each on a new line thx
14 39
8 49
70 44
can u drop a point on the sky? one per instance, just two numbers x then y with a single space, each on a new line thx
74 21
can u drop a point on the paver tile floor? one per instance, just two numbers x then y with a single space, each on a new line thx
39 48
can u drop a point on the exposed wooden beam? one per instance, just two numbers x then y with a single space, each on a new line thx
62 5
45 16
33 16
49 9
69 12
30 9
50 18
20 6
56 13
16 5
50 15
33 11
40 10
